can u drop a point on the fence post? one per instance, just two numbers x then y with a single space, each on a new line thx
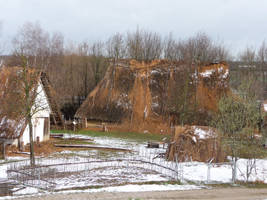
177 170
182 173
208 174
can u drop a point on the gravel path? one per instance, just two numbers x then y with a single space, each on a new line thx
218 194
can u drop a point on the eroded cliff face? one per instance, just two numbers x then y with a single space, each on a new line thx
155 94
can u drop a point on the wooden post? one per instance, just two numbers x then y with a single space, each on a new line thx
104 127
173 130
85 122
74 125
21 146
3 150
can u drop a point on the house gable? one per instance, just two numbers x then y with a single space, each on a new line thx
13 124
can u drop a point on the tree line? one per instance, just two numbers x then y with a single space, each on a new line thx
76 68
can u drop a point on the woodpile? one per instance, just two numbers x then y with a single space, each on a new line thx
197 143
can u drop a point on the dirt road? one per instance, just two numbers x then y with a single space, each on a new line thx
218 194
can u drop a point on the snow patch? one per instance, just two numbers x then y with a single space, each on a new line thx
220 70
154 71
265 107
27 190
207 73
226 74
203 134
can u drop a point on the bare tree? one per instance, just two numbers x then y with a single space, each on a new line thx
248 56
144 45
134 43
116 47
195 50
0 38
97 61
262 59
252 64
171 50
33 42
152 46
201 49
1 43
84 50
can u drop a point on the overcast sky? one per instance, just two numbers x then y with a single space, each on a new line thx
239 23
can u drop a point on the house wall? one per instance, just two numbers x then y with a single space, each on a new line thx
41 103
41 113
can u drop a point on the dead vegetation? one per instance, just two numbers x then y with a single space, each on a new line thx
198 143
150 96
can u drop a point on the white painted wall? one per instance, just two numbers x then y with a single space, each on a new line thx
38 128
41 107
40 110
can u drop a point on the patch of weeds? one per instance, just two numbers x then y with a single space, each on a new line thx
10 161
256 184
104 154
66 141
65 155
221 185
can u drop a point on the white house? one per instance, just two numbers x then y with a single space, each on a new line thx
14 129
40 119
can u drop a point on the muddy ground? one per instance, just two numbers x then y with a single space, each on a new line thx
207 194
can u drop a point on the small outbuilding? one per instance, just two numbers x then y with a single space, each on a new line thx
14 129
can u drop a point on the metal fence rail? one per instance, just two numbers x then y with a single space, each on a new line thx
44 176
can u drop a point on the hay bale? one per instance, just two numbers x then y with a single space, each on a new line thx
198 143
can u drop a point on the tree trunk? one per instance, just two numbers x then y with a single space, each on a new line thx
3 150
31 142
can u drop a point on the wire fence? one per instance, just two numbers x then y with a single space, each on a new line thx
44 177
49 172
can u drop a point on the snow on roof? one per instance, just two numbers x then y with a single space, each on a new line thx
207 73
10 128
202 133
221 70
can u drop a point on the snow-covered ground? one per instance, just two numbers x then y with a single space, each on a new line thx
81 174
